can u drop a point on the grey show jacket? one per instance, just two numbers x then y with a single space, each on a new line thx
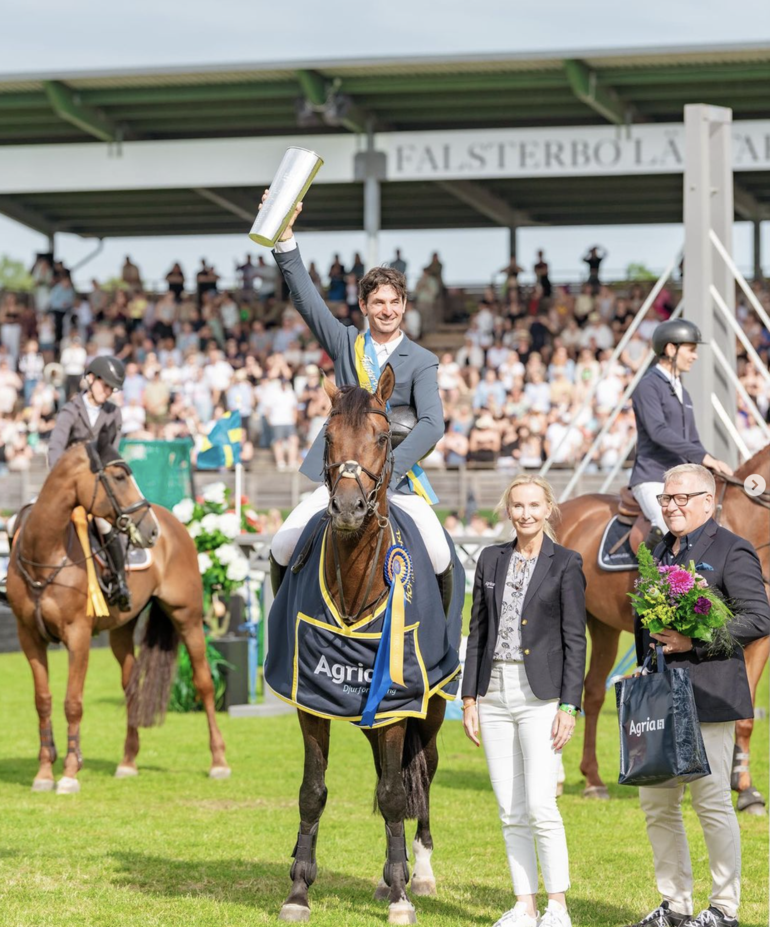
415 368
72 425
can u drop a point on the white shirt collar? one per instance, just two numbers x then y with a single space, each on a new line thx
386 349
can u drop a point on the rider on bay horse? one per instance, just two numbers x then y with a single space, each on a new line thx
358 361
82 419
665 421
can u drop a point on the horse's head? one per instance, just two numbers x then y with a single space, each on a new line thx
106 488
357 456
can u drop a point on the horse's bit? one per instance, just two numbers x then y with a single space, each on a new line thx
352 469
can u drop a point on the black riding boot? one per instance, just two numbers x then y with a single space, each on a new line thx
119 593
277 573
446 584
653 538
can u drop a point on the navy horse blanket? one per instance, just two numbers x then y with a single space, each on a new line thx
323 666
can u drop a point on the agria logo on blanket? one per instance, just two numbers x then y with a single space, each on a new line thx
641 727
339 672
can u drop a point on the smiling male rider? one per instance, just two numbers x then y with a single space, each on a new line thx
359 359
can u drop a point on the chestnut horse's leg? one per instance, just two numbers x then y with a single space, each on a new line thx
36 651
189 625
312 800
78 642
749 798
604 649
122 644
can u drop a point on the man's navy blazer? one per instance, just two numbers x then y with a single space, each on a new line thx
666 431
415 368
553 625
731 565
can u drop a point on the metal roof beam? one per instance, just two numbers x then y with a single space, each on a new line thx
747 206
226 203
589 88
67 106
485 202
25 215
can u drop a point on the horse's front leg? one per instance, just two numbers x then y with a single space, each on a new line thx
391 798
312 800
36 651
78 641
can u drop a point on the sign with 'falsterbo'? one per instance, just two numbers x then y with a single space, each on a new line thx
554 152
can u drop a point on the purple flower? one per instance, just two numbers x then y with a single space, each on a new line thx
680 581
702 606
664 570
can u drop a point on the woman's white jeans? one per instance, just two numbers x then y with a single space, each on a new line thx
425 519
523 766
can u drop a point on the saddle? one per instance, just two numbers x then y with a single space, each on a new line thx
625 531
135 558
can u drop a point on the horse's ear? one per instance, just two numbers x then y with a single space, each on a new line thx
386 384
330 388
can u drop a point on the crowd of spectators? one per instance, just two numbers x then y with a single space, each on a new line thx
512 391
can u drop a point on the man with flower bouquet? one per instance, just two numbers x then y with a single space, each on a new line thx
702 598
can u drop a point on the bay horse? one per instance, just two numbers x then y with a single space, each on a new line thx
405 752
608 607
47 589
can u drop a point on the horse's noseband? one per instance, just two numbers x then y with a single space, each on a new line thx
352 470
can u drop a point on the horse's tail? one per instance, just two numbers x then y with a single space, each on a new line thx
153 673
414 772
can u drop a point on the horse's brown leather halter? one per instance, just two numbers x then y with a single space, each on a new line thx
352 469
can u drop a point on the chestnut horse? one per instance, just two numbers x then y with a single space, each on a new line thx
405 752
583 521
48 589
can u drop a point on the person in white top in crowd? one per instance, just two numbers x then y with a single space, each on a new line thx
282 417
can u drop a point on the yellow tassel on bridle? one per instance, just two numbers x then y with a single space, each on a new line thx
96 605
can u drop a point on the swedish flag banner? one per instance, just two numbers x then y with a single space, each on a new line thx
222 446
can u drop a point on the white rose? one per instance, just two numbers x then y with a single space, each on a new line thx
194 529
229 525
228 553
210 523
184 510
215 492
238 570
204 563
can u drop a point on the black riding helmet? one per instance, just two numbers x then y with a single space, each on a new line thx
108 369
675 331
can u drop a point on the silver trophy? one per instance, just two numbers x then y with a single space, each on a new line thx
292 180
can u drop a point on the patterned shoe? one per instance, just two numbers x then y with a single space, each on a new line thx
518 917
662 916
711 917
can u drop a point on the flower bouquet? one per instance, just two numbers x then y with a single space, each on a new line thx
213 524
679 598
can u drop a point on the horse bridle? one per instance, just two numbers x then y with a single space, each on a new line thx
352 469
123 521
762 499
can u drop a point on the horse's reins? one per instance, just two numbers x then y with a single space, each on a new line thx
352 469
762 499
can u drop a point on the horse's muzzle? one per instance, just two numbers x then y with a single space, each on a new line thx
347 514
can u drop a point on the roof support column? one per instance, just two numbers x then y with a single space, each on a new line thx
369 167
512 230
757 229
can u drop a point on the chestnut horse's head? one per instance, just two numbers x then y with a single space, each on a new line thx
358 452
106 488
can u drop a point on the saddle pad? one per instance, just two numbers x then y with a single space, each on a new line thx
323 666
623 558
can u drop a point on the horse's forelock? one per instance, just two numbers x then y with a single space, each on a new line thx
353 404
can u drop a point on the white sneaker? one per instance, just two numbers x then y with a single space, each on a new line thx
518 917
555 916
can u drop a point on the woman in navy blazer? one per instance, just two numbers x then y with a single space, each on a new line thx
522 685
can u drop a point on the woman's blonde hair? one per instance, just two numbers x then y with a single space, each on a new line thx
525 479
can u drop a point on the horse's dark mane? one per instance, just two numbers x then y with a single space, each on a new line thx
354 404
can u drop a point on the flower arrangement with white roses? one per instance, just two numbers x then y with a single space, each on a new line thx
213 525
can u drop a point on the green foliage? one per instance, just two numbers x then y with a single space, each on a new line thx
183 694
14 276
639 272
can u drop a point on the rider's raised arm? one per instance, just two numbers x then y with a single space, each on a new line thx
430 423
329 331
60 436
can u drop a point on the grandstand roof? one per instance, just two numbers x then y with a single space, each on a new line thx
620 87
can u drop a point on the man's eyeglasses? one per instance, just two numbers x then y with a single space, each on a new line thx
680 498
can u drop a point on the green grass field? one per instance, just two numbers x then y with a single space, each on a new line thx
174 848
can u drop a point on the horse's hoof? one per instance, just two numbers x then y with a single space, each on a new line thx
596 791
296 913
750 800
402 912
423 887
67 786
757 809
382 892
126 772
224 772
43 785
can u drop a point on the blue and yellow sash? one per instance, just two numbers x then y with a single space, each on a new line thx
368 371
